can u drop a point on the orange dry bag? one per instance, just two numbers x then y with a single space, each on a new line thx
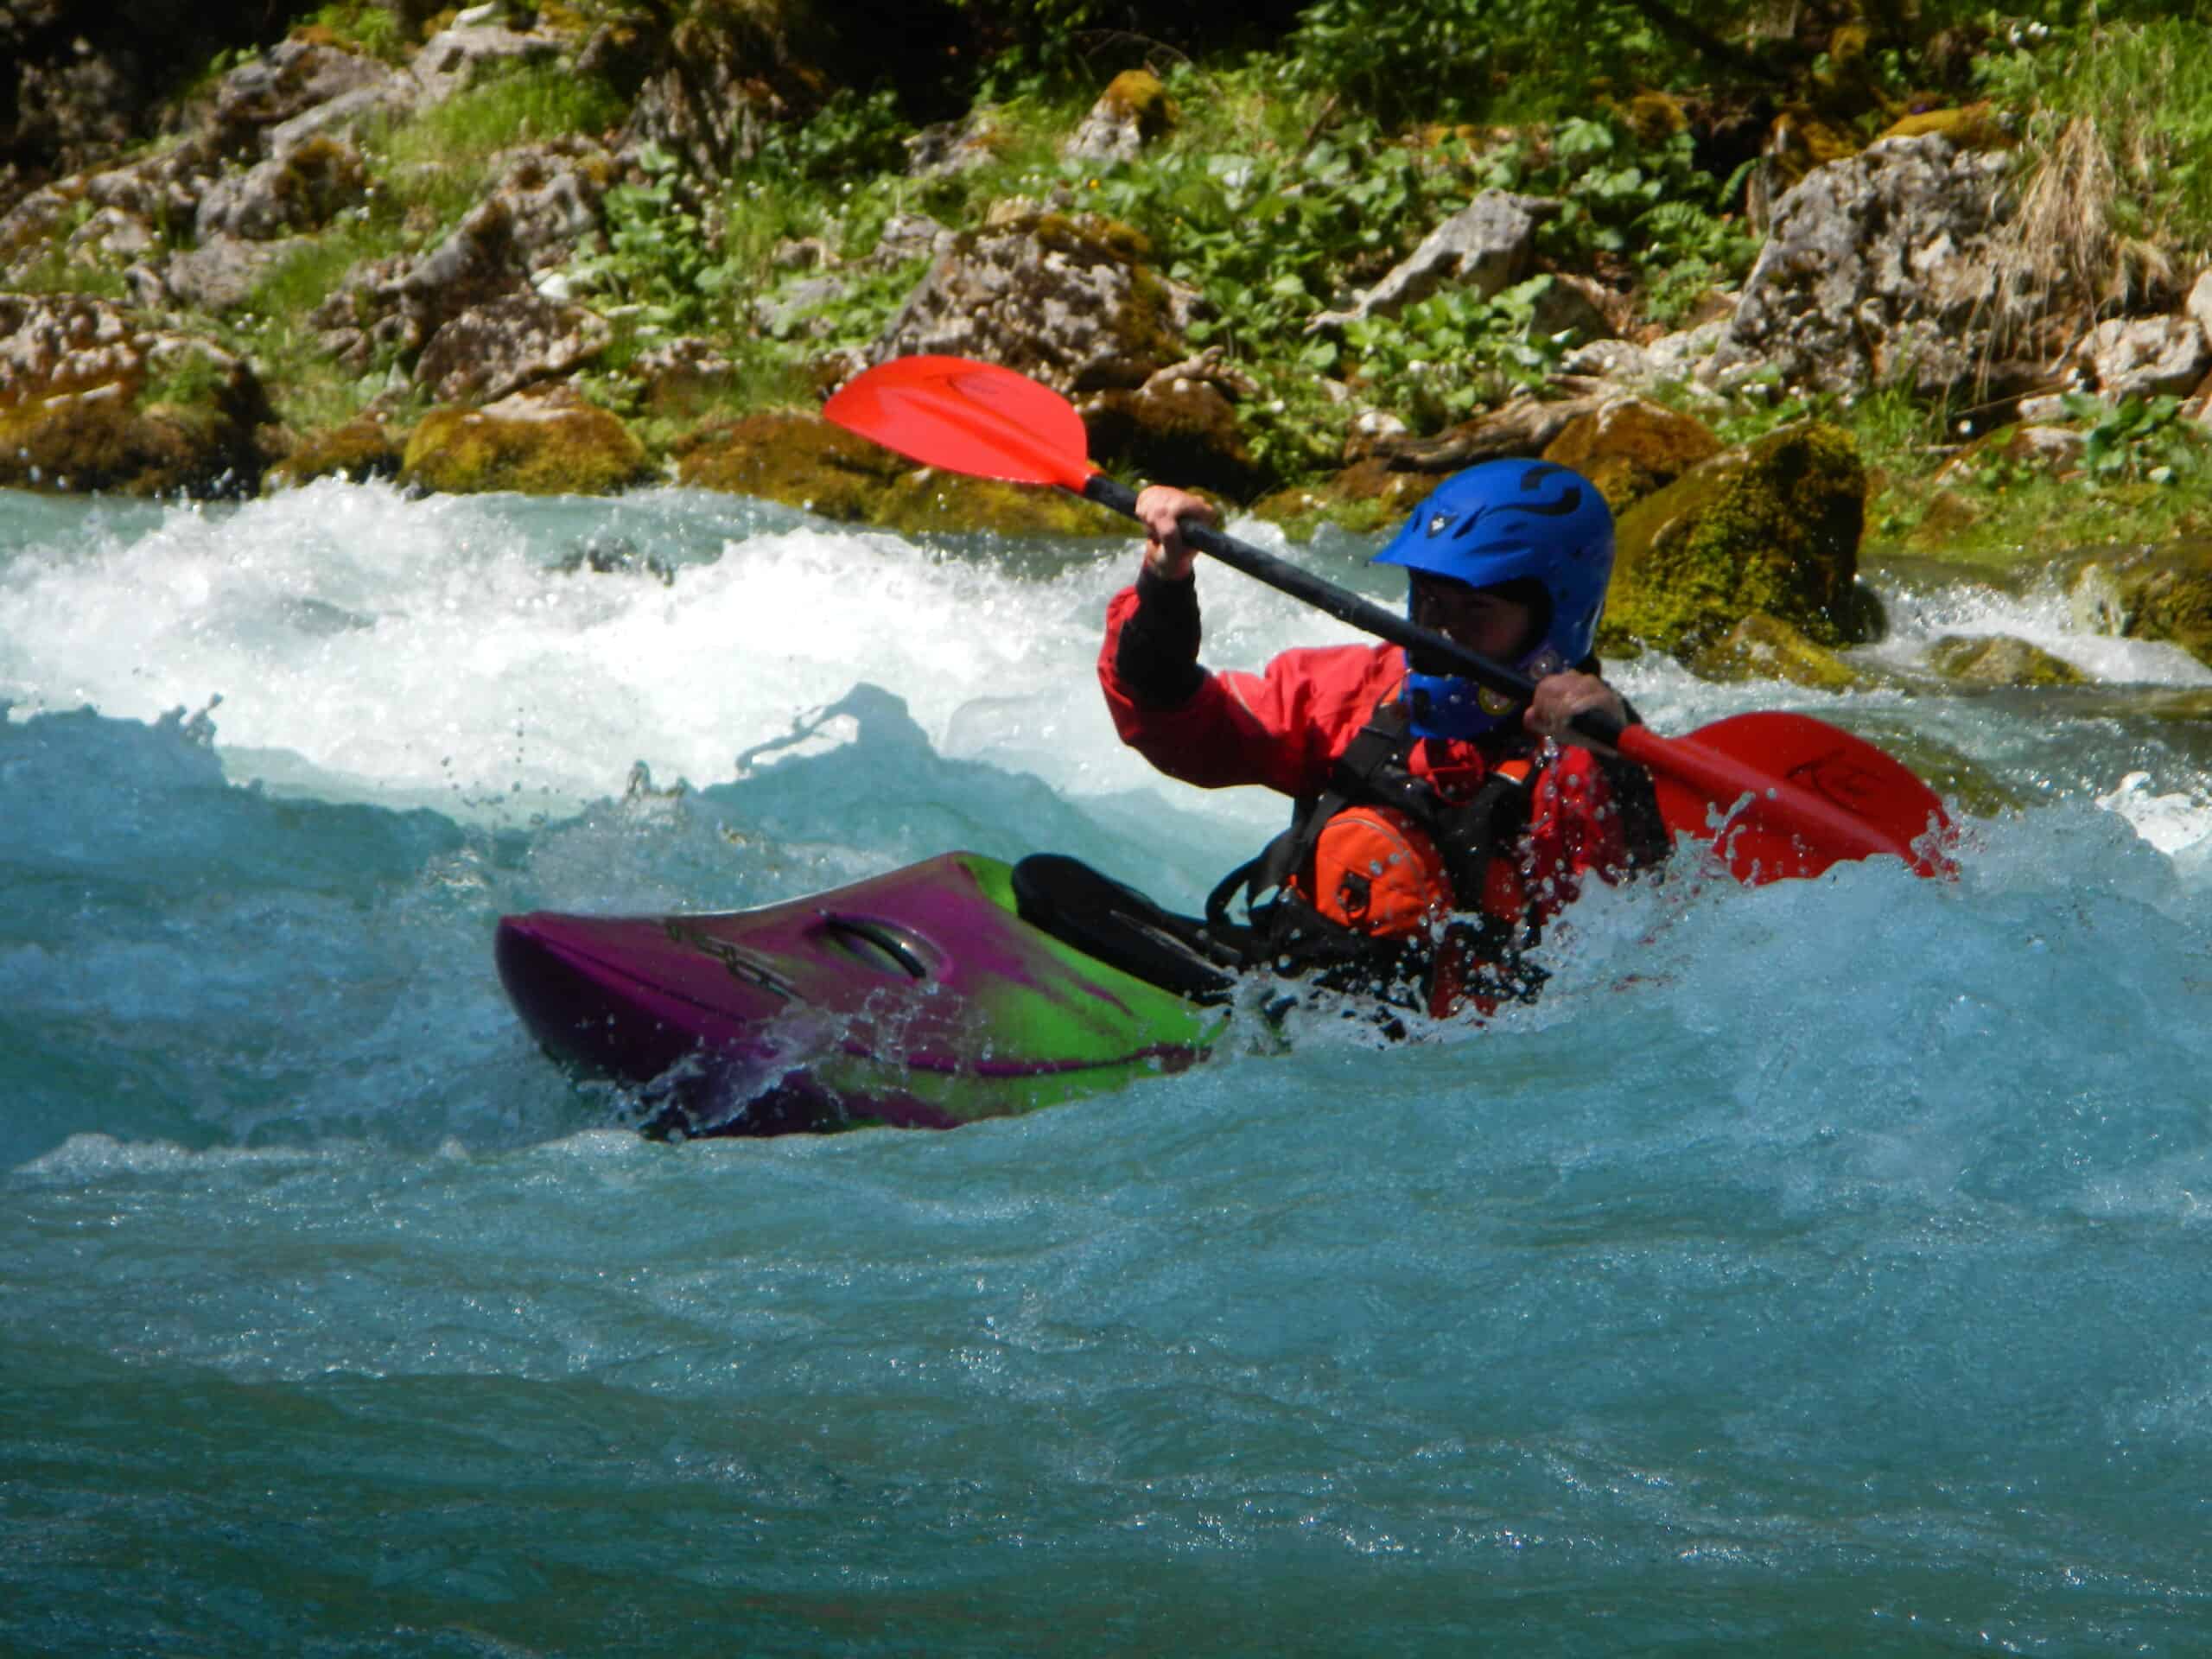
1377 871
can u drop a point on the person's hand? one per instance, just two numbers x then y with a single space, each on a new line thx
1160 507
1561 697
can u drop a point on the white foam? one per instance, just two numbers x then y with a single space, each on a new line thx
357 636
2044 619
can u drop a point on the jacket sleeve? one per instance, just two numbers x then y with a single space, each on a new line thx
1273 728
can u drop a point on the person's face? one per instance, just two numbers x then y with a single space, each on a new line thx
1480 618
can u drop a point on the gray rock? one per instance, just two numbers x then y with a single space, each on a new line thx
97 399
344 115
1487 246
219 275
1880 267
288 80
1131 113
1067 301
111 235
1568 305
950 147
301 189
2147 357
2198 306
493 349
449 59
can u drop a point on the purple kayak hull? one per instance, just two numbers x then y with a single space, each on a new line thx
919 997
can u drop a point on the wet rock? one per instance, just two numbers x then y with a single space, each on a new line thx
2146 357
1882 269
1629 447
1132 110
1999 659
91 398
301 189
1763 647
2154 593
1487 246
549 442
804 461
1774 527
1069 301
358 450
503 345
1174 427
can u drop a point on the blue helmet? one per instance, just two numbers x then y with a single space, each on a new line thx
1501 522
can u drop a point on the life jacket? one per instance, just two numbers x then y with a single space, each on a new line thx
1384 888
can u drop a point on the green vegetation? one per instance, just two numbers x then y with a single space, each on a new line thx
1311 145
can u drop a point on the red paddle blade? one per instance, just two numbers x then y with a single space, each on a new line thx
968 418
1782 795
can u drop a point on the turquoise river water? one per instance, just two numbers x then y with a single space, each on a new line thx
1818 1268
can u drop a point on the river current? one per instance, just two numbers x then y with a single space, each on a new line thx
1818 1267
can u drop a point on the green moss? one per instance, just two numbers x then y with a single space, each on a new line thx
1188 433
1363 499
804 461
535 448
359 449
97 439
1999 659
1773 528
799 460
2160 593
1632 448
1143 95
1762 647
925 500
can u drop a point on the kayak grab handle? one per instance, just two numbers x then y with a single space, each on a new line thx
880 944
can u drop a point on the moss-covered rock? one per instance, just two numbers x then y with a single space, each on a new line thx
2156 593
1184 429
1630 446
1773 527
93 399
1999 659
1970 126
550 443
359 450
1762 647
802 461
1366 497
926 501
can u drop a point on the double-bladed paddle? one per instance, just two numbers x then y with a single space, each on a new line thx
1777 794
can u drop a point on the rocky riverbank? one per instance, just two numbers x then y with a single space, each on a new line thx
500 250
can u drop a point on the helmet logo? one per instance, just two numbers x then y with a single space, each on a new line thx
1439 523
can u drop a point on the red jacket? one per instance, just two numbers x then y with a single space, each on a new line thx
1286 727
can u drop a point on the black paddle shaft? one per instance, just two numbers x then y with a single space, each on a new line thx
1363 614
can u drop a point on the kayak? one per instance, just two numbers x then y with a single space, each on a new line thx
956 988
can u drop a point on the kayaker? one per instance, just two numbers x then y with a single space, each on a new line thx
1439 825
